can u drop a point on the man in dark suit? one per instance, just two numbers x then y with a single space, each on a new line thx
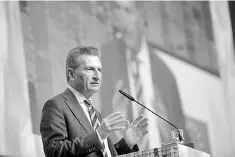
70 126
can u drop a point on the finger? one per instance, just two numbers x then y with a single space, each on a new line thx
118 121
117 128
127 123
116 118
113 114
144 132
144 127
142 122
108 125
138 119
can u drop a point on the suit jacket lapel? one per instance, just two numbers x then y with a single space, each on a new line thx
77 110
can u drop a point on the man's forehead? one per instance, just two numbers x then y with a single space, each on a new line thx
87 57
88 60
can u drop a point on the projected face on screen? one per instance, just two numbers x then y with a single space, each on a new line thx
128 20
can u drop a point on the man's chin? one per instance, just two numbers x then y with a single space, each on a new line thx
94 87
89 93
93 90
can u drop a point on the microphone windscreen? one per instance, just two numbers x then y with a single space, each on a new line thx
127 95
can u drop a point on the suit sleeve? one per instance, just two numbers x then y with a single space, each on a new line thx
54 135
122 147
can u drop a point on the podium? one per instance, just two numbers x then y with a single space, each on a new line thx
169 150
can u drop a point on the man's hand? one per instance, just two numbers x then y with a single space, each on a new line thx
136 130
111 123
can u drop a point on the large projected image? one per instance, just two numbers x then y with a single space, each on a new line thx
201 97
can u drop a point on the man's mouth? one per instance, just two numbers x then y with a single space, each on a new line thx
95 83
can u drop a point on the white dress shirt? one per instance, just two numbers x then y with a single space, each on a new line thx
80 98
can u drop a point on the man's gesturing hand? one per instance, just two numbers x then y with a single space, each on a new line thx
136 130
110 124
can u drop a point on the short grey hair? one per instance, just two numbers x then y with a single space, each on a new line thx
75 53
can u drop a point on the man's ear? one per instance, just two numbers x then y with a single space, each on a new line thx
70 73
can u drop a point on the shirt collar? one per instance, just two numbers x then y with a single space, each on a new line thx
80 98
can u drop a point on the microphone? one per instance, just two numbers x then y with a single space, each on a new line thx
133 99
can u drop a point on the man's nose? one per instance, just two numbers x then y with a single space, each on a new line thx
96 75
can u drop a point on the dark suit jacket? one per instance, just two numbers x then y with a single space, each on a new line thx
66 131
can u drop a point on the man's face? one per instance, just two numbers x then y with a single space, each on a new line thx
87 76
